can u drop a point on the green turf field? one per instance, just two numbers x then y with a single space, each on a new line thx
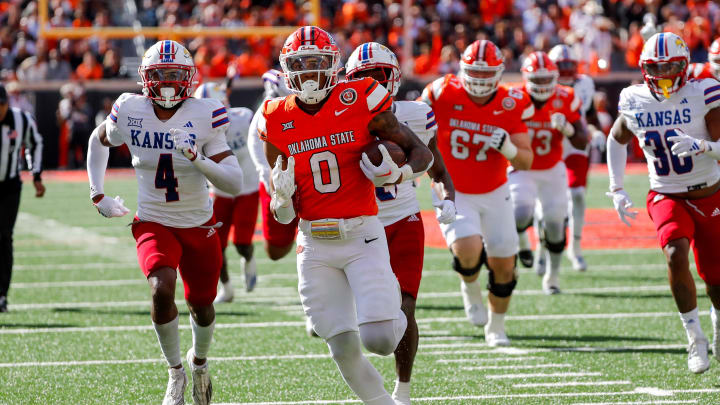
79 330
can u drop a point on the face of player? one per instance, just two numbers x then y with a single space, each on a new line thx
381 75
168 83
568 72
664 69
480 74
309 69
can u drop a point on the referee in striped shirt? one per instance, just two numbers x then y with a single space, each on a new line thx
18 132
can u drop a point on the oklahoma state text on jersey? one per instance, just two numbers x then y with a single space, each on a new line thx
546 142
327 148
464 130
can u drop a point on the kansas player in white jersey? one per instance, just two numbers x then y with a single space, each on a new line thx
238 212
177 144
398 208
677 122
279 238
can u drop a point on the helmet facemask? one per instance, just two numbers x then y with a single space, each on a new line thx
311 75
167 84
568 72
666 77
480 81
541 85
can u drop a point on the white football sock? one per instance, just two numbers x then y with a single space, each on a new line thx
202 337
577 217
524 241
474 289
402 390
691 323
358 373
169 339
227 288
496 322
555 262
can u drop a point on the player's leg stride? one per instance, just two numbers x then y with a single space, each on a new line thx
398 208
576 222
346 282
493 133
684 191
174 228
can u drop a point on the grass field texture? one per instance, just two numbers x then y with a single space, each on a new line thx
79 330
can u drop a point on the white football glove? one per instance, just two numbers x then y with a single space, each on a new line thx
283 181
598 140
184 143
622 203
387 172
500 141
445 211
559 122
111 207
685 145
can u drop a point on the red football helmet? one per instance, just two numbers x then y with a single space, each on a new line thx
540 75
310 60
481 67
566 62
714 58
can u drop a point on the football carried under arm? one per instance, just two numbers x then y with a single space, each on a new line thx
97 158
222 169
419 158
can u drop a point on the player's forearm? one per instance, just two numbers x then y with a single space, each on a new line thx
616 158
522 160
97 159
441 179
226 175
579 140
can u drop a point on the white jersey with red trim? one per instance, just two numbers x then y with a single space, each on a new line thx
399 201
237 139
653 119
585 90
171 191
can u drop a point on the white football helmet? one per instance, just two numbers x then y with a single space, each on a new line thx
372 55
218 91
310 51
566 62
664 62
167 72
481 68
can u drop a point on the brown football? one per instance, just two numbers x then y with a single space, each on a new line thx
395 151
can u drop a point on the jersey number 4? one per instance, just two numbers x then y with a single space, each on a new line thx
661 149
165 177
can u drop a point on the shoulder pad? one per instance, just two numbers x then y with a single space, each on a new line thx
269 106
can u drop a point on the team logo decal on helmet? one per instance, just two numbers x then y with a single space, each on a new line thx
371 56
508 103
348 96
664 62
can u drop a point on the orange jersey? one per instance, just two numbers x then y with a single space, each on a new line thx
700 71
464 130
327 148
547 143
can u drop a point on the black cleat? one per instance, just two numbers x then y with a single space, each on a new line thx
3 304
526 258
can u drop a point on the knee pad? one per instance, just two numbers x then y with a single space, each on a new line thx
523 228
345 347
383 337
555 247
500 290
472 271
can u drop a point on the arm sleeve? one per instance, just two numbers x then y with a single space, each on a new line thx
97 159
616 158
33 147
256 150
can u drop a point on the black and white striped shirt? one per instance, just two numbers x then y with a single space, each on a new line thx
18 129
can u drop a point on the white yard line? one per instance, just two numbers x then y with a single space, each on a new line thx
519 367
541 375
590 290
570 384
690 401
492 360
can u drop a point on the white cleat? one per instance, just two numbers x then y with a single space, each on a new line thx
309 328
250 274
698 361
175 392
224 296
578 262
400 401
550 285
202 386
716 333
474 308
496 339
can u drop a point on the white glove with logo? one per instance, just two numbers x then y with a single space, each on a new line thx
387 172
283 181
445 211
622 203
111 207
184 143
500 141
559 122
685 145
598 141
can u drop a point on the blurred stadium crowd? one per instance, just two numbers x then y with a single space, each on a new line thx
606 34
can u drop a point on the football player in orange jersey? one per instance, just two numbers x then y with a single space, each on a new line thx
709 69
346 284
557 116
480 130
